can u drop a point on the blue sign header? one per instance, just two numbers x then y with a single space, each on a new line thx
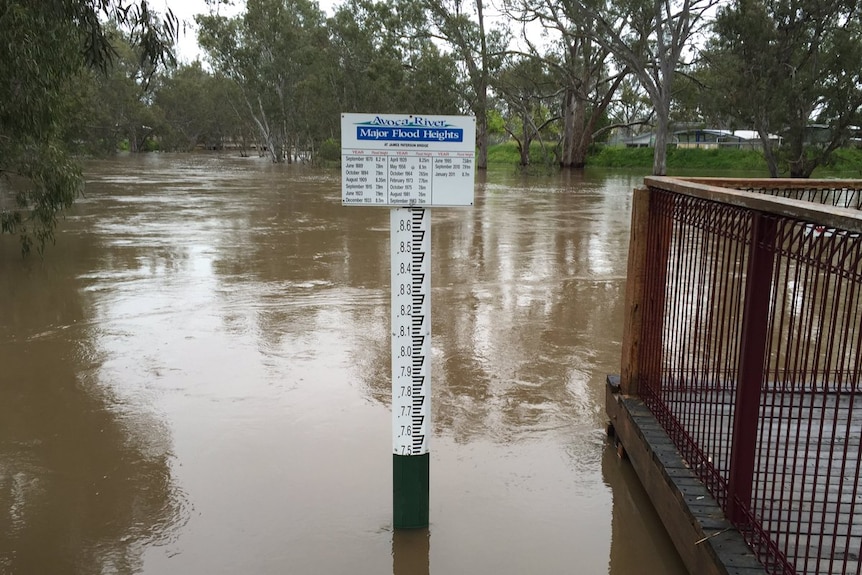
387 132
409 134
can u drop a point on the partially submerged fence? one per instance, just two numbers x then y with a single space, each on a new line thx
744 338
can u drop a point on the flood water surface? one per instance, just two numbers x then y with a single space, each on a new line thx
196 380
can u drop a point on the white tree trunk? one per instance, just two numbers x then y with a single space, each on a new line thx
659 163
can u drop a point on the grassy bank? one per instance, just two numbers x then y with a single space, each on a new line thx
507 154
845 163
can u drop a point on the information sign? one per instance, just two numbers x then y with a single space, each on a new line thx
407 160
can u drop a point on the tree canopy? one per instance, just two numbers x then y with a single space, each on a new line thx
790 68
47 46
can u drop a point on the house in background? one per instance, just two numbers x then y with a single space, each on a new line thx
699 138
821 134
709 138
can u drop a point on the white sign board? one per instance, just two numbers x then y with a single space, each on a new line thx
407 160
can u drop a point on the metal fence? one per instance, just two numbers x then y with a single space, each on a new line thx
750 357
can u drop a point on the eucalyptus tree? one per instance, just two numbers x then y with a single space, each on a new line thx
198 109
631 110
114 107
46 49
276 53
387 60
479 48
123 107
591 86
183 98
782 66
650 38
529 92
587 74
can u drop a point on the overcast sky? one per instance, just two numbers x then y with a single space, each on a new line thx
185 10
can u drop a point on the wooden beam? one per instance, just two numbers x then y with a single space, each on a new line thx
776 183
634 291
830 216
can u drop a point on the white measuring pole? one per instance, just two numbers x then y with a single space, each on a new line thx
411 364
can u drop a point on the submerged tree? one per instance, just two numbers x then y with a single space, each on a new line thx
649 38
198 110
588 78
276 52
529 94
46 46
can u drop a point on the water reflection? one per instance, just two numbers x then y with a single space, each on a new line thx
410 552
85 482
526 287
636 545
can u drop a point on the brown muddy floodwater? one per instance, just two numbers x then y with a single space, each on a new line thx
195 380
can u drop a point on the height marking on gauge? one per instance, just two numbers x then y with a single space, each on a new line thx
411 330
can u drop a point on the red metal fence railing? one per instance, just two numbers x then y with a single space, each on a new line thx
750 356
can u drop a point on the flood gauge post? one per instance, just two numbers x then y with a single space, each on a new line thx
409 163
410 245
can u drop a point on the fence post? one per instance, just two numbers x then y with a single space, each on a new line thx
633 319
752 363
